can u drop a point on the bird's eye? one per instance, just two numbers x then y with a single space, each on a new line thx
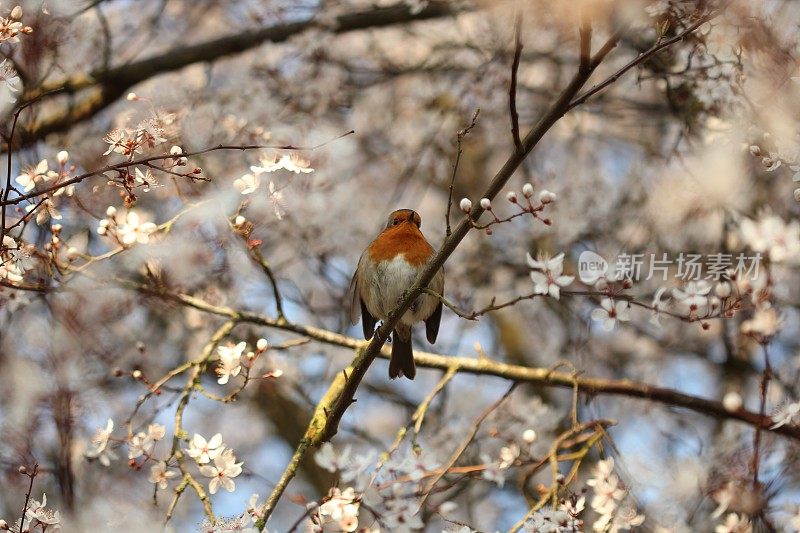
395 222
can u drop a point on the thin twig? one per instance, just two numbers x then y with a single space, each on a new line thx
459 139
644 56
464 443
260 260
31 475
145 160
512 89
765 377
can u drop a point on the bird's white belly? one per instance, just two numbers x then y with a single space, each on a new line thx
391 279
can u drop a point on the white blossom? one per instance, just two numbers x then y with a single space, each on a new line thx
527 190
550 279
160 474
547 197
492 470
765 321
38 511
223 471
465 205
247 184
44 211
202 450
34 175
331 460
770 234
694 295
132 230
610 311
788 413
230 359
341 508
734 524
100 449
291 162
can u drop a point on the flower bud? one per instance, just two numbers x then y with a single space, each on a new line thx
4 525
62 157
527 190
465 205
132 97
755 151
723 289
511 197
22 469
732 401
175 150
261 345
111 211
16 13
547 197
797 195
72 253
486 204
239 220
529 436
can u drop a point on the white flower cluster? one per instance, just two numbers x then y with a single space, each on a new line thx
609 500
565 519
37 517
143 442
387 492
146 135
213 458
771 235
494 470
41 175
244 523
250 182
15 259
232 357
128 229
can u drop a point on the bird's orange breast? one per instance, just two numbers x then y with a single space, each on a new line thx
404 239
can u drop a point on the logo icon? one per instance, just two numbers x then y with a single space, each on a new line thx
591 267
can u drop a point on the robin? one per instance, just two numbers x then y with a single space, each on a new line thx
386 269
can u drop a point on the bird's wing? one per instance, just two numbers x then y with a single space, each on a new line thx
353 296
357 305
367 321
433 321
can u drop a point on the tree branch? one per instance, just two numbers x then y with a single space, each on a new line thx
485 366
107 85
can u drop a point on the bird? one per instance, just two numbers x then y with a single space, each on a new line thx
386 270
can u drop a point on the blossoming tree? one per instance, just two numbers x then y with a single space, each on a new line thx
610 186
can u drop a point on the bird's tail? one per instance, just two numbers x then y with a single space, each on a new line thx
402 362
